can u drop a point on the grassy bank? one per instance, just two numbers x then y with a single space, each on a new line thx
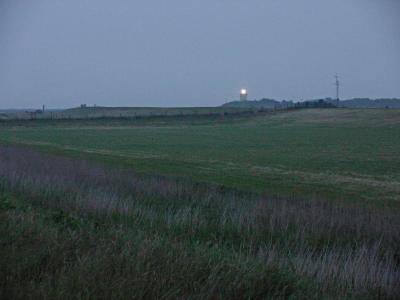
99 112
71 228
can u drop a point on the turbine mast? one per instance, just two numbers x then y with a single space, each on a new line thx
337 83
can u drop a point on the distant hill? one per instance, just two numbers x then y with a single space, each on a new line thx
351 103
370 103
263 103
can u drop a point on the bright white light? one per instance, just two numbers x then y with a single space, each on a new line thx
243 92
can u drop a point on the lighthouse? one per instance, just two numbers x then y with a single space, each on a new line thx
243 95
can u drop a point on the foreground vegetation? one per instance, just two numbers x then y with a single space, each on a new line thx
76 229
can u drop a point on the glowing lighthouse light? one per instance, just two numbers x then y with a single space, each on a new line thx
243 95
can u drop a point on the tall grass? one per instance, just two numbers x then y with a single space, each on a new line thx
168 237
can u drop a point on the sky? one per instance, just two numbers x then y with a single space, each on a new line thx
195 53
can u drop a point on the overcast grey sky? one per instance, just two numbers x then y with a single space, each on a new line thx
195 53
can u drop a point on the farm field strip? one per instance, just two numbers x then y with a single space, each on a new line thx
388 184
323 153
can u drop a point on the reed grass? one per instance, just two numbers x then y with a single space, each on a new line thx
77 229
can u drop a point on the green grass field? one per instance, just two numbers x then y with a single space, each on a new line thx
300 204
347 154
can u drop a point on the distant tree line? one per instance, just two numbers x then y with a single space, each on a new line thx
327 102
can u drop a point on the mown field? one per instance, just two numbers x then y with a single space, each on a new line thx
336 154
284 205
